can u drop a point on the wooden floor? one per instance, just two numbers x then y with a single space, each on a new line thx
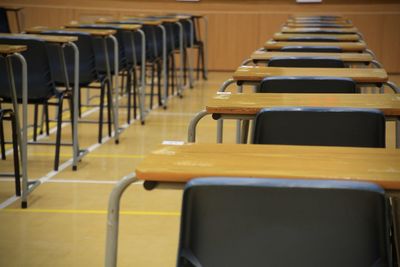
66 219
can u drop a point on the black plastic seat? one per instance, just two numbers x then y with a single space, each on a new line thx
323 49
300 84
306 62
4 24
320 127
278 222
41 87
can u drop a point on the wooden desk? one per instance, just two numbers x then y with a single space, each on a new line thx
94 32
252 103
345 46
11 49
185 162
141 20
317 25
346 57
339 37
359 75
47 38
320 30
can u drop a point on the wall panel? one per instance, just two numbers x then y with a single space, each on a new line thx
236 28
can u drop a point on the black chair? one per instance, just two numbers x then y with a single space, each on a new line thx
300 84
4 24
88 73
322 49
8 114
320 127
306 62
279 222
41 87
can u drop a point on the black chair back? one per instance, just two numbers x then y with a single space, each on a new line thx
299 84
306 62
278 222
320 127
40 83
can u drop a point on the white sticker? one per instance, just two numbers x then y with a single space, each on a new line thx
173 143
224 93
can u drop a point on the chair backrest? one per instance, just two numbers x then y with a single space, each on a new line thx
306 62
326 49
320 127
40 83
87 64
278 222
313 39
300 84
4 24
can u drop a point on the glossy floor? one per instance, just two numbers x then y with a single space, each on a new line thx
66 219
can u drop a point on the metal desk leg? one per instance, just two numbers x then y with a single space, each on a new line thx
142 90
193 125
164 97
116 87
75 141
180 80
113 221
239 122
205 48
189 58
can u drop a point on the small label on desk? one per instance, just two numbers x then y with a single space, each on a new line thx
173 143
224 93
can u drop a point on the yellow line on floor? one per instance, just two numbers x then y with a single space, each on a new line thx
127 212
64 155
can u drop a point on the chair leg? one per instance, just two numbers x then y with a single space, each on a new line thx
203 66
173 75
46 113
15 155
198 63
152 86
2 141
184 66
159 69
35 121
101 115
109 105
58 136
129 90
135 88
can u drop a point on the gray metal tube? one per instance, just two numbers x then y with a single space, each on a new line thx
189 58
246 61
116 88
113 220
226 84
206 45
164 97
193 125
142 90
377 64
180 80
394 87
75 141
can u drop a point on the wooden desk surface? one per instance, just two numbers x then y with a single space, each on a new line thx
47 38
346 57
360 75
10 49
324 30
252 103
313 21
142 20
183 163
94 32
124 26
345 46
340 37
318 25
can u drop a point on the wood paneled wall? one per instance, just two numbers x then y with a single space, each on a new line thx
236 28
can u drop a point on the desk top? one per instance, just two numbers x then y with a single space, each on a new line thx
340 37
345 46
332 25
183 163
252 103
360 75
94 32
10 49
314 30
47 38
346 57
127 27
142 20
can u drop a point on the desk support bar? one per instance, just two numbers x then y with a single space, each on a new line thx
189 57
181 72
164 52
193 124
246 61
113 220
116 88
392 85
142 90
